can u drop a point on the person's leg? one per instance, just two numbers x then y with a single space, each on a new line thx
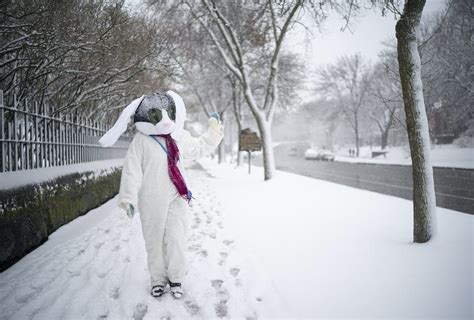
153 220
176 234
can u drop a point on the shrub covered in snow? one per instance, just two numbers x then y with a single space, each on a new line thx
29 213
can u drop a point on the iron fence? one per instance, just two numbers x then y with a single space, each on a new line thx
31 137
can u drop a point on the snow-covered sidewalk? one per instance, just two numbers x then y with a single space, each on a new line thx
291 247
95 267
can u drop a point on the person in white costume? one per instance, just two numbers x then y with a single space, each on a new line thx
154 180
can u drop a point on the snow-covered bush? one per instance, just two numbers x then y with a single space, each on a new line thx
28 214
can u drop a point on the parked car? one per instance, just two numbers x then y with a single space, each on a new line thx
311 154
322 155
327 155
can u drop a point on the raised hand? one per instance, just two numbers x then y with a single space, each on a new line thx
216 116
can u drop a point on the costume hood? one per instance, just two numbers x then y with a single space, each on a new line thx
139 110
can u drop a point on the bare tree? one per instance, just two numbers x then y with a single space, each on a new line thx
79 57
278 18
387 102
424 201
348 82
446 48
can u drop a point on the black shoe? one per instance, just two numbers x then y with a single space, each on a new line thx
176 290
158 290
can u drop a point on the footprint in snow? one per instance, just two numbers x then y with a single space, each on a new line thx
140 310
115 293
234 272
252 317
103 312
98 245
191 307
227 242
217 284
238 282
194 247
221 306
221 309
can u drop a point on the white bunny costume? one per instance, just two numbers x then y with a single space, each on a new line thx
146 183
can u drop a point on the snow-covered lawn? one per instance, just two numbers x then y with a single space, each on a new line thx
290 247
442 156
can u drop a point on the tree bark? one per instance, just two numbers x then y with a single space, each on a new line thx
264 127
424 201
221 147
236 106
384 139
356 131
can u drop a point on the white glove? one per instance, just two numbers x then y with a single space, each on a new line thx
130 211
214 125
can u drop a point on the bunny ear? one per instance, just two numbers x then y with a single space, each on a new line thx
111 136
180 114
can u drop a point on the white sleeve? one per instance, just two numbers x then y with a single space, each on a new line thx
194 148
132 173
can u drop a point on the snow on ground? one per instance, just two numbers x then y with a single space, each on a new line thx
442 156
290 247
95 267
337 251
14 179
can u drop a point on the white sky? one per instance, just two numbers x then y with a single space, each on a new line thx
368 33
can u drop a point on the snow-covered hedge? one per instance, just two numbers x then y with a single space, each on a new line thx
29 213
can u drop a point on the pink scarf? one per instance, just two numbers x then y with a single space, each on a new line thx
173 157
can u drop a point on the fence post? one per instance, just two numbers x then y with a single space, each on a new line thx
37 149
2 133
25 145
14 159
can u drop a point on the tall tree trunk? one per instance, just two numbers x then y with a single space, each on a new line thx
239 155
237 108
386 130
264 127
239 128
356 131
424 201
384 139
221 147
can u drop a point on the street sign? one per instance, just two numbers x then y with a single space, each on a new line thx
249 141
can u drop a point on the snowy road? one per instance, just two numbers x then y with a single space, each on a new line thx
95 267
454 187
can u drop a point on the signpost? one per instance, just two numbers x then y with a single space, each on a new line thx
249 141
